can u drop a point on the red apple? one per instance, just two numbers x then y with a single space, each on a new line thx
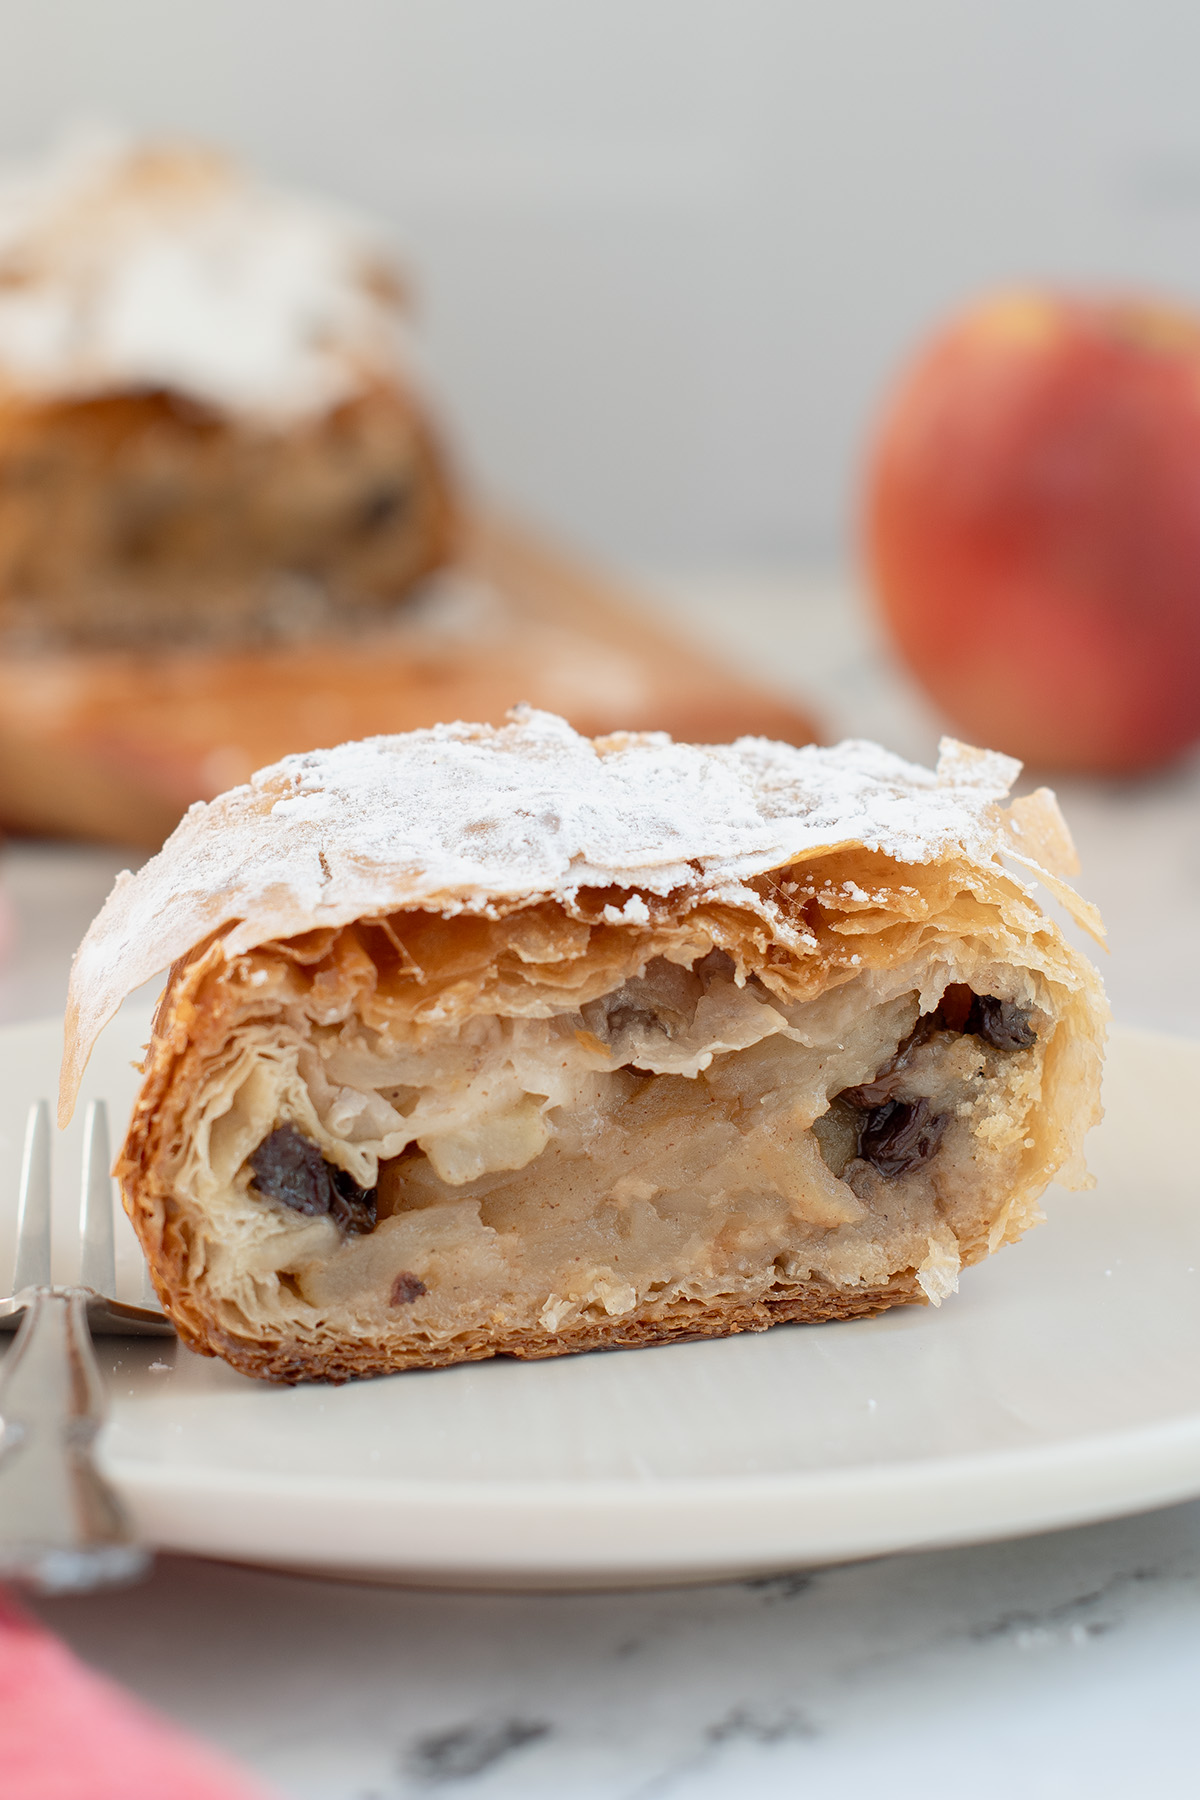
1034 528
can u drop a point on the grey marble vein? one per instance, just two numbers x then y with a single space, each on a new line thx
1063 1665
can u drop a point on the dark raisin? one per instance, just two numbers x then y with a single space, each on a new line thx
352 1207
1001 1024
868 1094
381 507
900 1135
289 1167
406 1288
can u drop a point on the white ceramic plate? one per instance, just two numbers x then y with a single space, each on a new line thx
1061 1384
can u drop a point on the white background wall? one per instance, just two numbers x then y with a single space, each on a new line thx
669 250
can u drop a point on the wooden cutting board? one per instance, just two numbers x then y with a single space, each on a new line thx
114 746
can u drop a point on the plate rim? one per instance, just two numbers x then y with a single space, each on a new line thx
609 1531
685 1528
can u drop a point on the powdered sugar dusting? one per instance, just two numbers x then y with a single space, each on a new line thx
462 816
134 266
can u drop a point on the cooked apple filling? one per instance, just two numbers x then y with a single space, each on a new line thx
690 1133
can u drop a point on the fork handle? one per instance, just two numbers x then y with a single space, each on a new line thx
62 1529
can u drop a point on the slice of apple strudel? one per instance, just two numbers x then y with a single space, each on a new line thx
485 1042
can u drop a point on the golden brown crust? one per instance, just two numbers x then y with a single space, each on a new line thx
686 1321
863 912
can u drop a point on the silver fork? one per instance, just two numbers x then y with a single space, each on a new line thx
62 1529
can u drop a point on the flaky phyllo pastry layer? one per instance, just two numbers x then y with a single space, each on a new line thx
484 1042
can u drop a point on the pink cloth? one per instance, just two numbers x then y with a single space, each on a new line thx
67 1734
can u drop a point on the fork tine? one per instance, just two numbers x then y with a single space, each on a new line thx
32 1265
97 1264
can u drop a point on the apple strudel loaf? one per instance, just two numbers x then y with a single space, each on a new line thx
210 427
509 1041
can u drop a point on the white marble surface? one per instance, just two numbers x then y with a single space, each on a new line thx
1060 1666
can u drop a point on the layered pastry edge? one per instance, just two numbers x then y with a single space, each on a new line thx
550 1178
539 1122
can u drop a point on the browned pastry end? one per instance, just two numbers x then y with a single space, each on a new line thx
212 428
145 518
